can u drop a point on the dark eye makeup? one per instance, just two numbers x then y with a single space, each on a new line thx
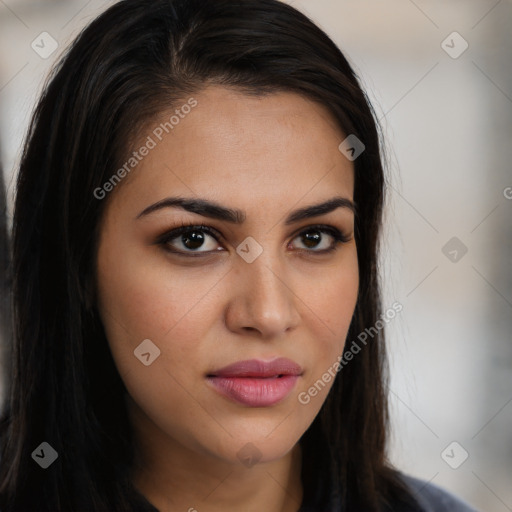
188 233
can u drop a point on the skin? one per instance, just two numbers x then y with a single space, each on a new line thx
266 156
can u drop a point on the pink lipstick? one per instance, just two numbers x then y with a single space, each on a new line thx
256 383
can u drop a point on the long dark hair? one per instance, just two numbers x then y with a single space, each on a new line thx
138 58
5 289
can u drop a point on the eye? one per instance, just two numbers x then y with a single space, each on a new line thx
196 240
188 239
314 237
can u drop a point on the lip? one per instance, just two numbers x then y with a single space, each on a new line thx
256 383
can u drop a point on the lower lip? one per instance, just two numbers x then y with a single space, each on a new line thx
255 392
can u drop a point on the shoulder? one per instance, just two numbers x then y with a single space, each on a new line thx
433 498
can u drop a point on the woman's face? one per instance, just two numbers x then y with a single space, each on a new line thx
177 309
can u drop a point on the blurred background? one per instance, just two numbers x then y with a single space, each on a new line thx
439 75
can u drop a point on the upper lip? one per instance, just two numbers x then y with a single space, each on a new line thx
259 368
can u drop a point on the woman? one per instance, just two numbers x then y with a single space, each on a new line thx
195 257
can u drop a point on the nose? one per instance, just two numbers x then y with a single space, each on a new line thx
264 301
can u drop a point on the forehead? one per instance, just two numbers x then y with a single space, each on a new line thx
242 148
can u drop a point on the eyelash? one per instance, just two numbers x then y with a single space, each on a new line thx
337 235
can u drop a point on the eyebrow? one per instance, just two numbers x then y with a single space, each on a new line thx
214 210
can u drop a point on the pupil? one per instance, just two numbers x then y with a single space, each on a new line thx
195 237
312 238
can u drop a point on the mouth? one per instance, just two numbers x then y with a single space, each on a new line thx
256 383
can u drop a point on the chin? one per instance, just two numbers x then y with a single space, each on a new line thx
252 450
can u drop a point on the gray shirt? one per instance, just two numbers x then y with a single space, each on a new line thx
430 498
435 499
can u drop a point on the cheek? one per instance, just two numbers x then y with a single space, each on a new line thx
142 298
140 302
336 301
331 307
330 295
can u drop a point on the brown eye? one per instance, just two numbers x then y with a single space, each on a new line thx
190 240
314 237
193 240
